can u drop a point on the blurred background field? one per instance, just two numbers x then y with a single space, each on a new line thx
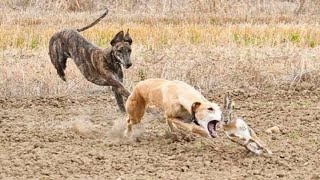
214 45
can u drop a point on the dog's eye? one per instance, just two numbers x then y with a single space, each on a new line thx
129 50
210 109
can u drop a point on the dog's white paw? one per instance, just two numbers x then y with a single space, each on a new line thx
126 134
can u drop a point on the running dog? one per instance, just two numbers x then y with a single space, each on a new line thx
183 106
99 66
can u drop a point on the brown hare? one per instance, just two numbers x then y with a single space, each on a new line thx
238 131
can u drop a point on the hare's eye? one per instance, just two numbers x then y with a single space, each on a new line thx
210 109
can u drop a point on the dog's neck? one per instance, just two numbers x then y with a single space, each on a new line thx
111 59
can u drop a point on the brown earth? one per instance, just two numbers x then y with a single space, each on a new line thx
80 137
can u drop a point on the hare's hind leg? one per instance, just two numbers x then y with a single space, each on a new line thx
258 142
262 146
235 139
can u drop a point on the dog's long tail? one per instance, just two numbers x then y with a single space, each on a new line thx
95 22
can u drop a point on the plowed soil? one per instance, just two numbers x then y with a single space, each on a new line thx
80 136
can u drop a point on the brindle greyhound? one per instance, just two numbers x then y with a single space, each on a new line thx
99 66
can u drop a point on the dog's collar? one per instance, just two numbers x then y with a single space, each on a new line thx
196 122
194 119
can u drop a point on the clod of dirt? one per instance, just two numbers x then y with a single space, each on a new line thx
274 129
284 131
38 145
280 175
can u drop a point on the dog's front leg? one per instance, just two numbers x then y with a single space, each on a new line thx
117 94
117 84
120 88
114 79
189 127
171 128
109 79
119 99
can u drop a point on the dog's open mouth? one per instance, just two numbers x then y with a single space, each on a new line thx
212 125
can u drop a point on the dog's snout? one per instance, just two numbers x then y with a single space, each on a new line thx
128 65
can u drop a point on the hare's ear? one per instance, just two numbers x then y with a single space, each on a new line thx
228 103
226 100
232 105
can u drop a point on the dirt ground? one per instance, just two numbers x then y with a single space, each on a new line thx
79 136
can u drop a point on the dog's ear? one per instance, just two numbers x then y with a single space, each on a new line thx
194 107
117 38
127 38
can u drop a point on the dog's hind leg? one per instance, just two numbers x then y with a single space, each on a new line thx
62 67
58 58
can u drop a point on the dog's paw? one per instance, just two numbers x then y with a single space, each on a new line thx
188 137
126 134
172 136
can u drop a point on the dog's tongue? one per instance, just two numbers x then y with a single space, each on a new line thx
212 129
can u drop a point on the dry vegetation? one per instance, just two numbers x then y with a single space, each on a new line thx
261 45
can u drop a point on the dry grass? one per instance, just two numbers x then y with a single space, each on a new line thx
212 45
